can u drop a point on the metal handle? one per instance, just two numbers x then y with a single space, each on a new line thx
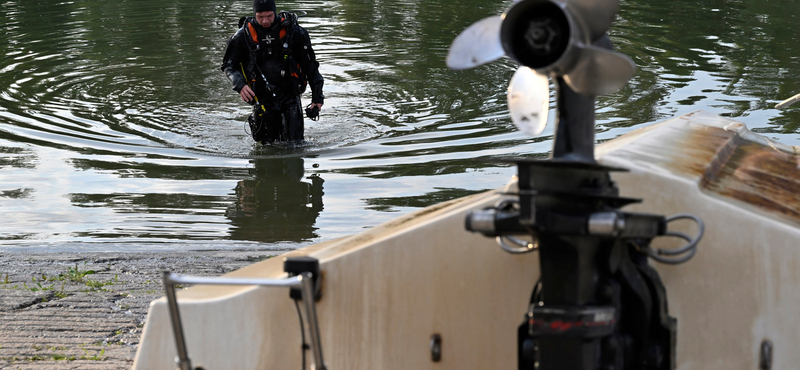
303 281
175 319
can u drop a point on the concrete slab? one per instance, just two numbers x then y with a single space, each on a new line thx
86 310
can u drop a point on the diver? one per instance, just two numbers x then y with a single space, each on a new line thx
269 61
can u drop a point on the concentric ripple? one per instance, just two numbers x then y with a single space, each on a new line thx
119 131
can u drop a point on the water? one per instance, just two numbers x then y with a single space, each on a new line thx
119 132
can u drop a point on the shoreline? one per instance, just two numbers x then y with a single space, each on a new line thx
86 310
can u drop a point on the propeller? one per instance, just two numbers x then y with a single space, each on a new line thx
548 38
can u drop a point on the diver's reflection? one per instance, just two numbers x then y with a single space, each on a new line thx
278 204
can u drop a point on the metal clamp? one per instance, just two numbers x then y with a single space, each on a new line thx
302 281
690 248
520 246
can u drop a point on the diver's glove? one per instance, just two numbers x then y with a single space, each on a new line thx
312 112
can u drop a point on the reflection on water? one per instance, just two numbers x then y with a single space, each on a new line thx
277 203
732 58
119 131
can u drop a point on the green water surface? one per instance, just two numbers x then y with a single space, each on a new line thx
119 132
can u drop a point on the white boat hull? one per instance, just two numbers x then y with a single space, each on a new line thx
387 290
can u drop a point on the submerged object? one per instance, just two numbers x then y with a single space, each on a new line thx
786 103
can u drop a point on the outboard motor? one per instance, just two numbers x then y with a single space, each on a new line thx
598 304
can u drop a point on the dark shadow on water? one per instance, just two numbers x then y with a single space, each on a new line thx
278 203
421 201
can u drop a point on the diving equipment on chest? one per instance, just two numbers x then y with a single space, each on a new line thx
271 54
271 42
267 44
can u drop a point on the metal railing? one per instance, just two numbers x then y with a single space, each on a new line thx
303 282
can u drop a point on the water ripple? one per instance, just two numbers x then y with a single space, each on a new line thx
117 126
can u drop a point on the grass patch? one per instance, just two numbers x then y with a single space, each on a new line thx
41 288
60 357
10 359
256 258
75 274
97 357
42 357
95 285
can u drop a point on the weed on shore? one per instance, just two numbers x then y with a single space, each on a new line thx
56 356
72 275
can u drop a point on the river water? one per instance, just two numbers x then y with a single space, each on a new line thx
119 132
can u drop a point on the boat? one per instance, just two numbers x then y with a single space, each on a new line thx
387 291
700 270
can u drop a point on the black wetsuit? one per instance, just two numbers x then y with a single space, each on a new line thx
284 57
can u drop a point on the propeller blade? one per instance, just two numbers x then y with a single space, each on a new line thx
529 100
478 44
600 71
597 15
